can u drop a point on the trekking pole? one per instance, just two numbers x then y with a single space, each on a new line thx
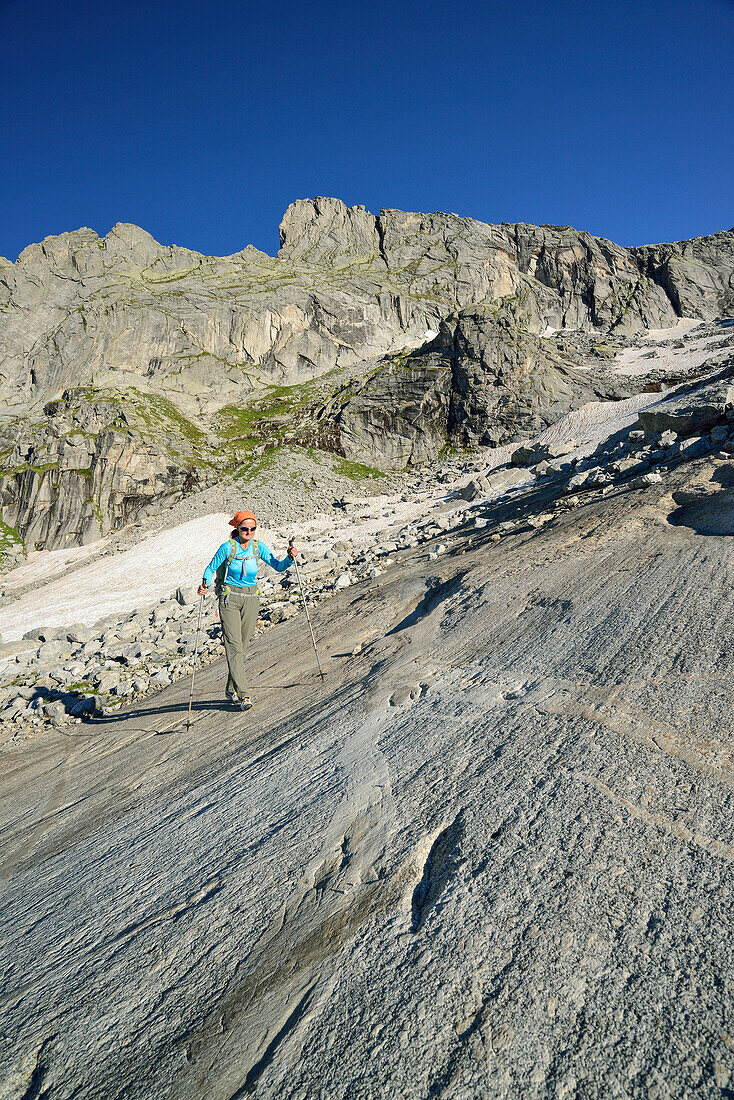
305 608
196 653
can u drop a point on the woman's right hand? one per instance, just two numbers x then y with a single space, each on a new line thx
202 590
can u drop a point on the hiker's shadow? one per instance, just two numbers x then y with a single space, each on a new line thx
199 706
137 713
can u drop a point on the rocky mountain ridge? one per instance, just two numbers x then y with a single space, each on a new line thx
133 372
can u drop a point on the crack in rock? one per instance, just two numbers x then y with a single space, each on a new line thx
441 862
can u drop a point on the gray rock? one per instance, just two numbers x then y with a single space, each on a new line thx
314 570
164 611
49 652
186 595
625 466
476 487
405 695
107 680
651 478
15 709
160 678
540 520
505 477
281 612
695 275
61 676
56 711
577 481
692 447
132 654
20 650
86 707
693 408
528 454
487 378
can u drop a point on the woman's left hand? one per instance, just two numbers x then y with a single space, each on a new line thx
292 553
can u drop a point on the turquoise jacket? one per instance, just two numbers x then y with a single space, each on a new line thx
243 567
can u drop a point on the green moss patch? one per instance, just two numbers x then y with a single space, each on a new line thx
9 537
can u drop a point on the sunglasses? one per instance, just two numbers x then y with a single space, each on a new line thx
247 528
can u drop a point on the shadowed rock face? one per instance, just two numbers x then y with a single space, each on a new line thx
509 382
697 275
486 379
348 291
695 407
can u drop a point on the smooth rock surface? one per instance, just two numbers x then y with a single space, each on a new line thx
517 886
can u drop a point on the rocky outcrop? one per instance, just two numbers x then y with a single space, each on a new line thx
509 382
592 283
486 379
88 469
325 231
346 287
697 275
694 408
397 417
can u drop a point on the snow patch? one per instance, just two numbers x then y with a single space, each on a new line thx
120 583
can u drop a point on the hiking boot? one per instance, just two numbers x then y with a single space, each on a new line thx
245 702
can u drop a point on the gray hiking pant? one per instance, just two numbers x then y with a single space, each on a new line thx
238 611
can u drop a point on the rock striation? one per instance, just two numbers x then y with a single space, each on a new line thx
92 466
59 673
696 275
489 855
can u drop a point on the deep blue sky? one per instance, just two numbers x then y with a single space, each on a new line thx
201 121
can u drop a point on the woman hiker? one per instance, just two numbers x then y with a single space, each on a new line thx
235 564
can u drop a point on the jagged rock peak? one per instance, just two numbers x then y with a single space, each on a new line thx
58 250
323 229
83 252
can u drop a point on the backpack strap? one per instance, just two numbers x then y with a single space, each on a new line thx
256 548
221 574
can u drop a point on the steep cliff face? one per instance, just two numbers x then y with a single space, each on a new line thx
594 283
348 291
346 287
93 464
398 416
487 378
508 382
697 275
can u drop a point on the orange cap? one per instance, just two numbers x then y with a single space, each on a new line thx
238 517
